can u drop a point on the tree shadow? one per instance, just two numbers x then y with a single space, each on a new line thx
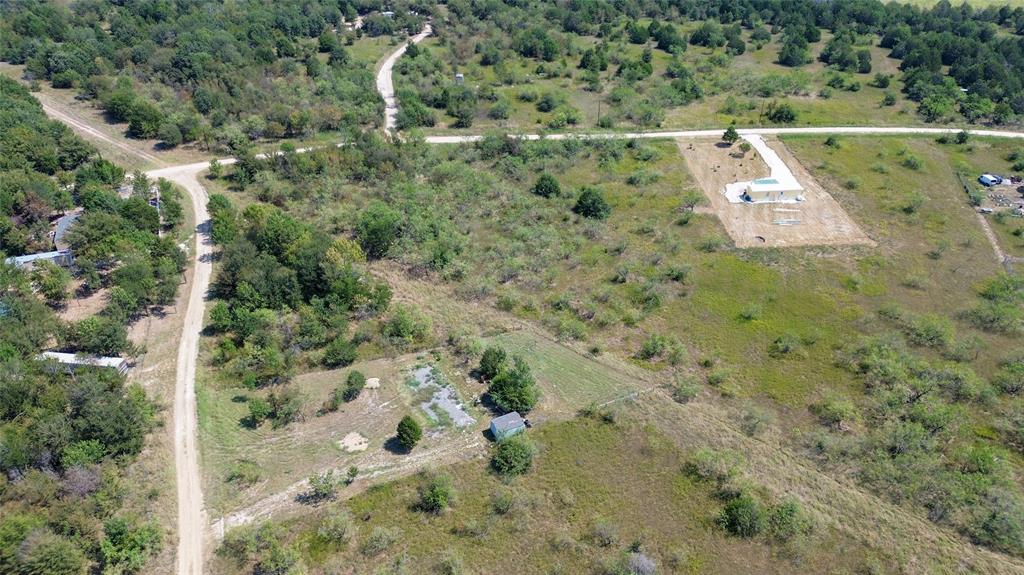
487 402
394 446
723 145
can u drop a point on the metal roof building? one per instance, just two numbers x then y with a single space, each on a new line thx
75 361
59 257
507 425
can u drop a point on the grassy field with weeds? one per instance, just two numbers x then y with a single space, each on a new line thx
805 343
572 514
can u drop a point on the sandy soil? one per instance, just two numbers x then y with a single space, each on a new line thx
818 220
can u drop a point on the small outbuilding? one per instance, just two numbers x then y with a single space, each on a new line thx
72 361
507 425
772 190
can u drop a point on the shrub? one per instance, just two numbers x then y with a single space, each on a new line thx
837 413
244 473
604 533
406 326
742 516
685 390
755 420
513 456
503 501
259 410
339 353
787 521
710 244
718 467
1010 378
546 186
354 384
911 162
653 347
408 433
323 485
591 204
436 493
718 376
751 312
380 539
336 527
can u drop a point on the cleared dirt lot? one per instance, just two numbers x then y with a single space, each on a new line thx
818 220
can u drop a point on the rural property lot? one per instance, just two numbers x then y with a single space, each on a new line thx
822 220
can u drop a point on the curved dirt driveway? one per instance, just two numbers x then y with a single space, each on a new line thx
385 85
192 524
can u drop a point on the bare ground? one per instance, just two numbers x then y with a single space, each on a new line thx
822 221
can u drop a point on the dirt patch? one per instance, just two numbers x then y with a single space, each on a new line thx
818 220
79 308
354 442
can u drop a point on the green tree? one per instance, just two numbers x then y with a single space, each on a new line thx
492 362
52 281
323 485
378 228
339 353
731 135
169 135
44 553
127 546
514 388
408 433
591 204
513 456
780 113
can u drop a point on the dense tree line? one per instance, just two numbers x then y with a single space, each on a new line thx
942 48
65 438
205 71
38 158
63 442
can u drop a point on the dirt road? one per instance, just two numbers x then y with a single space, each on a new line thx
387 88
192 525
91 133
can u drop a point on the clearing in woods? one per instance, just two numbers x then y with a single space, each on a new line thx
818 220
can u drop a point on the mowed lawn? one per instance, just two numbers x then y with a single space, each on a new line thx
568 379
